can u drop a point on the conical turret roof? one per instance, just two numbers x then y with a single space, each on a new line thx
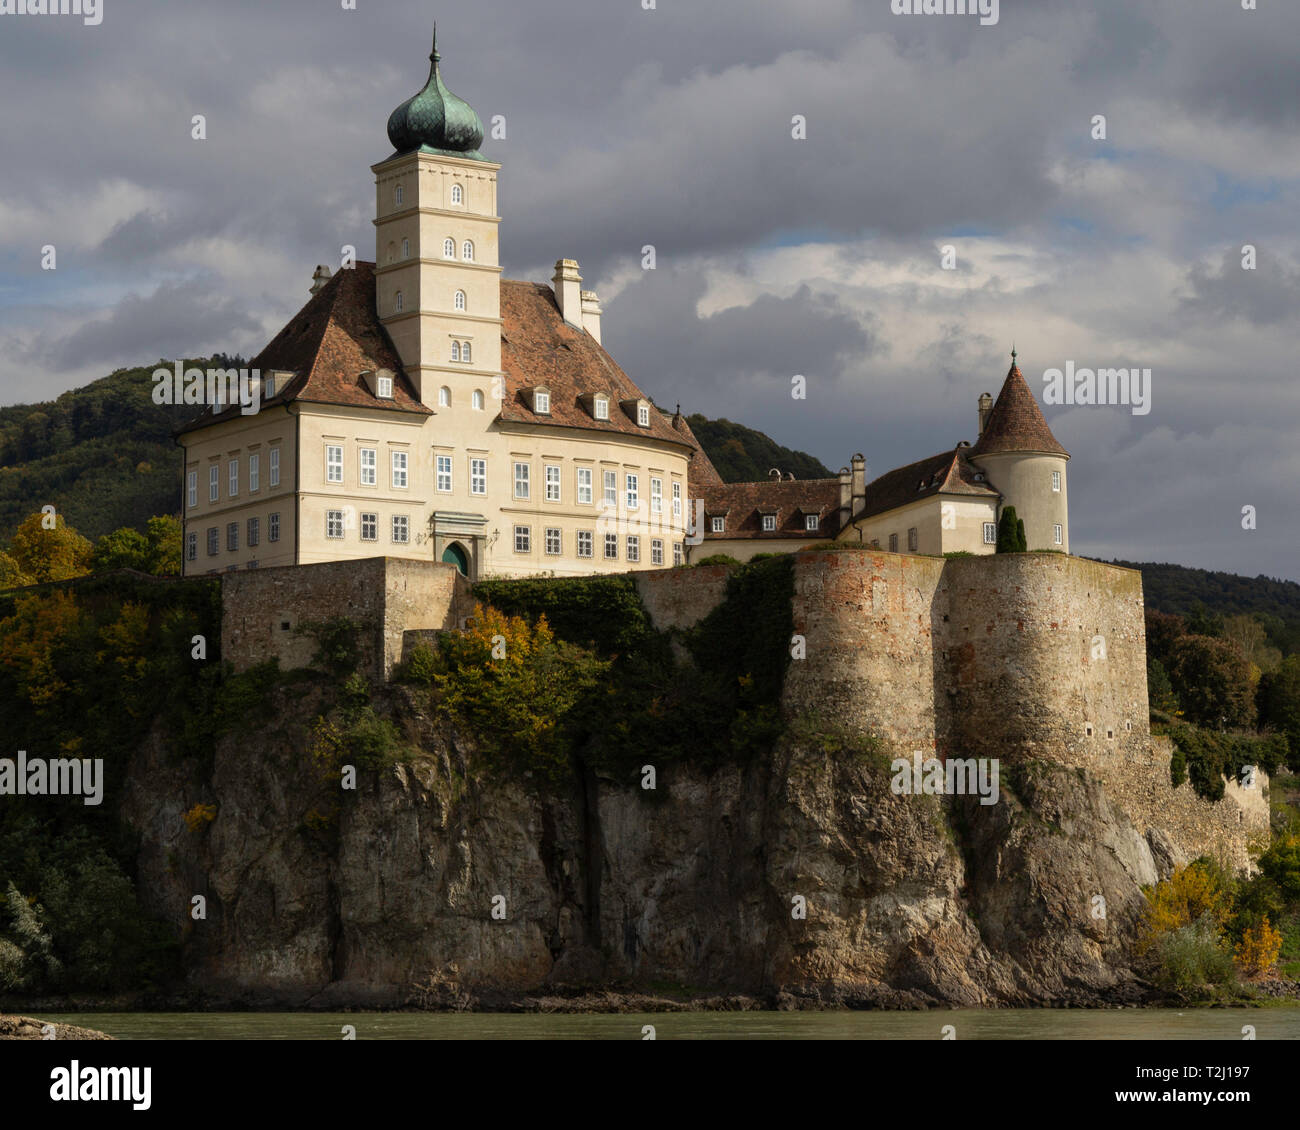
1016 422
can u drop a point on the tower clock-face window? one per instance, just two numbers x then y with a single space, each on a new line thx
457 194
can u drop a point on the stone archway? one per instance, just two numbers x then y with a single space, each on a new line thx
455 554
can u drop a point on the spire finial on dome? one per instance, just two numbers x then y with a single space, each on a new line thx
433 54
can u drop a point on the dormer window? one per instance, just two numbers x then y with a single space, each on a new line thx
769 523
268 387
602 408
459 301
716 525
643 415
384 388
811 522
542 402
457 194
449 249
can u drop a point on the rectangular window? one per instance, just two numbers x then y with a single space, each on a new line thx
214 483
677 500
401 529
523 539
233 467
1056 481
399 470
552 483
656 496
643 416
677 553
191 547
333 523
585 546
610 479
630 481
811 522
333 463
769 522
716 525
602 408
369 527
912 539
521 480
893 543
584 485
369 467
273 527
254 473
478 476
611 547
990 533
553 540
232 537
444 473
656 551
275 466
254 532
1057 534
192 489
633 547
214 543
385 390
542 402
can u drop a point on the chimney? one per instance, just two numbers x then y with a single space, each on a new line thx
986 406
320 278
846 496
591 314
859 486
568 291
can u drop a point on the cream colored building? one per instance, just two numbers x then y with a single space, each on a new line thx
421 406
950 502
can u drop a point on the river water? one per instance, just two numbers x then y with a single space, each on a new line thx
1008 1024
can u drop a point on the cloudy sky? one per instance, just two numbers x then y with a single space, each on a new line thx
775 256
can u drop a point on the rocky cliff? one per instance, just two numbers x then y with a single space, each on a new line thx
439 884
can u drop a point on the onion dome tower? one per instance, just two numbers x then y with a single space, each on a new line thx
435 120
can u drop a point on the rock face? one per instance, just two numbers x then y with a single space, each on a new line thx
801 879
29 1028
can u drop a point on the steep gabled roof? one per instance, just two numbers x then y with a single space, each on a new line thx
949 472
790 501
1016 422
700 470
328 344
538 347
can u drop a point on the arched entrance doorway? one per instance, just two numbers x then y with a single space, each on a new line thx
455 554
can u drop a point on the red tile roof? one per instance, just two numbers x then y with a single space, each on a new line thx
790 501
327 345
1016 422
949 472
539 348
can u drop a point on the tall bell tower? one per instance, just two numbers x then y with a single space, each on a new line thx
437 265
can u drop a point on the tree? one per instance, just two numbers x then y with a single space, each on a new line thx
1251 638
1011 532
1160 691
11 573
1163 630
124 548
164 535
57 554
1212 681
1279 701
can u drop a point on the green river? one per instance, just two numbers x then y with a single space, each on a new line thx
1010 1024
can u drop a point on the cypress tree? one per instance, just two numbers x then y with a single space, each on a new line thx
1010 532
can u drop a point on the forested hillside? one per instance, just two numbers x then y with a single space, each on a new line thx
743 455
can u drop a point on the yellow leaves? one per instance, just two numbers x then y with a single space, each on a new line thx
127 641
1188 895
49 555
1258 950
28 639
199 815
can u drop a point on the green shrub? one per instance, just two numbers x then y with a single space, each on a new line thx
1193 958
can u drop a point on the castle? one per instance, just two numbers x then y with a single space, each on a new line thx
422 407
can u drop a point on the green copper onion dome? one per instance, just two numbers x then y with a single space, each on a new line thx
435 120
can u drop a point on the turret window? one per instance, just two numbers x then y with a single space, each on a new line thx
1056 481
449 249
457 194
459 301
467 251
1057 535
